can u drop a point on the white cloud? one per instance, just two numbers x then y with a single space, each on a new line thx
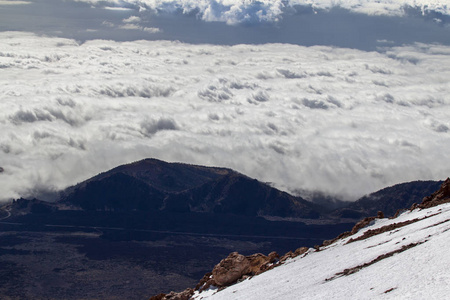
130 26
238 11
132 23
151 29
300 117
132 19
13 2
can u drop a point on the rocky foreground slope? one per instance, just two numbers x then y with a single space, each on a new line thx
403 257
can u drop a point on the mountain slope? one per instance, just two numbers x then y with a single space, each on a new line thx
154 185
401 258
389 199
151 184
164 176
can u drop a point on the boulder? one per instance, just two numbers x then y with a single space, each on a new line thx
230 269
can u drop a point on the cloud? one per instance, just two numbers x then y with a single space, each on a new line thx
13 2
133 23
304 118
130 26
243 11
132 19
150 127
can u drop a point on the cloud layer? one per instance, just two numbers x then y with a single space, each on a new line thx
343 121
244 11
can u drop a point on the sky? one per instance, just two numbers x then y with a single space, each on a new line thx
342 97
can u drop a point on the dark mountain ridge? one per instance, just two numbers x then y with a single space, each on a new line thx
389 199
163 176
152 184
156 185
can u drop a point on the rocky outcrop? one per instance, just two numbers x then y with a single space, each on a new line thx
439 197
236 267
365 222
184 295
372 232
230 269
291 254
358 226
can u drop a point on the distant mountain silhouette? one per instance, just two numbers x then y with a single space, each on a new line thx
164 176
390 199
155 185
152 184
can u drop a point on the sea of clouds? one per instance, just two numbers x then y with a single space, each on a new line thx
250 11
343 121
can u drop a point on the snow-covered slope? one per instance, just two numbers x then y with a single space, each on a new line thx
404 262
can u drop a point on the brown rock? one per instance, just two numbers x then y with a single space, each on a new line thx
291 254
372 232
397 213
283 258
256 261
439 197
273 257
380 215
361 224
339 237
300 251
158 297
205 282
230 269
184 295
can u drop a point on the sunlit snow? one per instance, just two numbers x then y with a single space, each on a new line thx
420 272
